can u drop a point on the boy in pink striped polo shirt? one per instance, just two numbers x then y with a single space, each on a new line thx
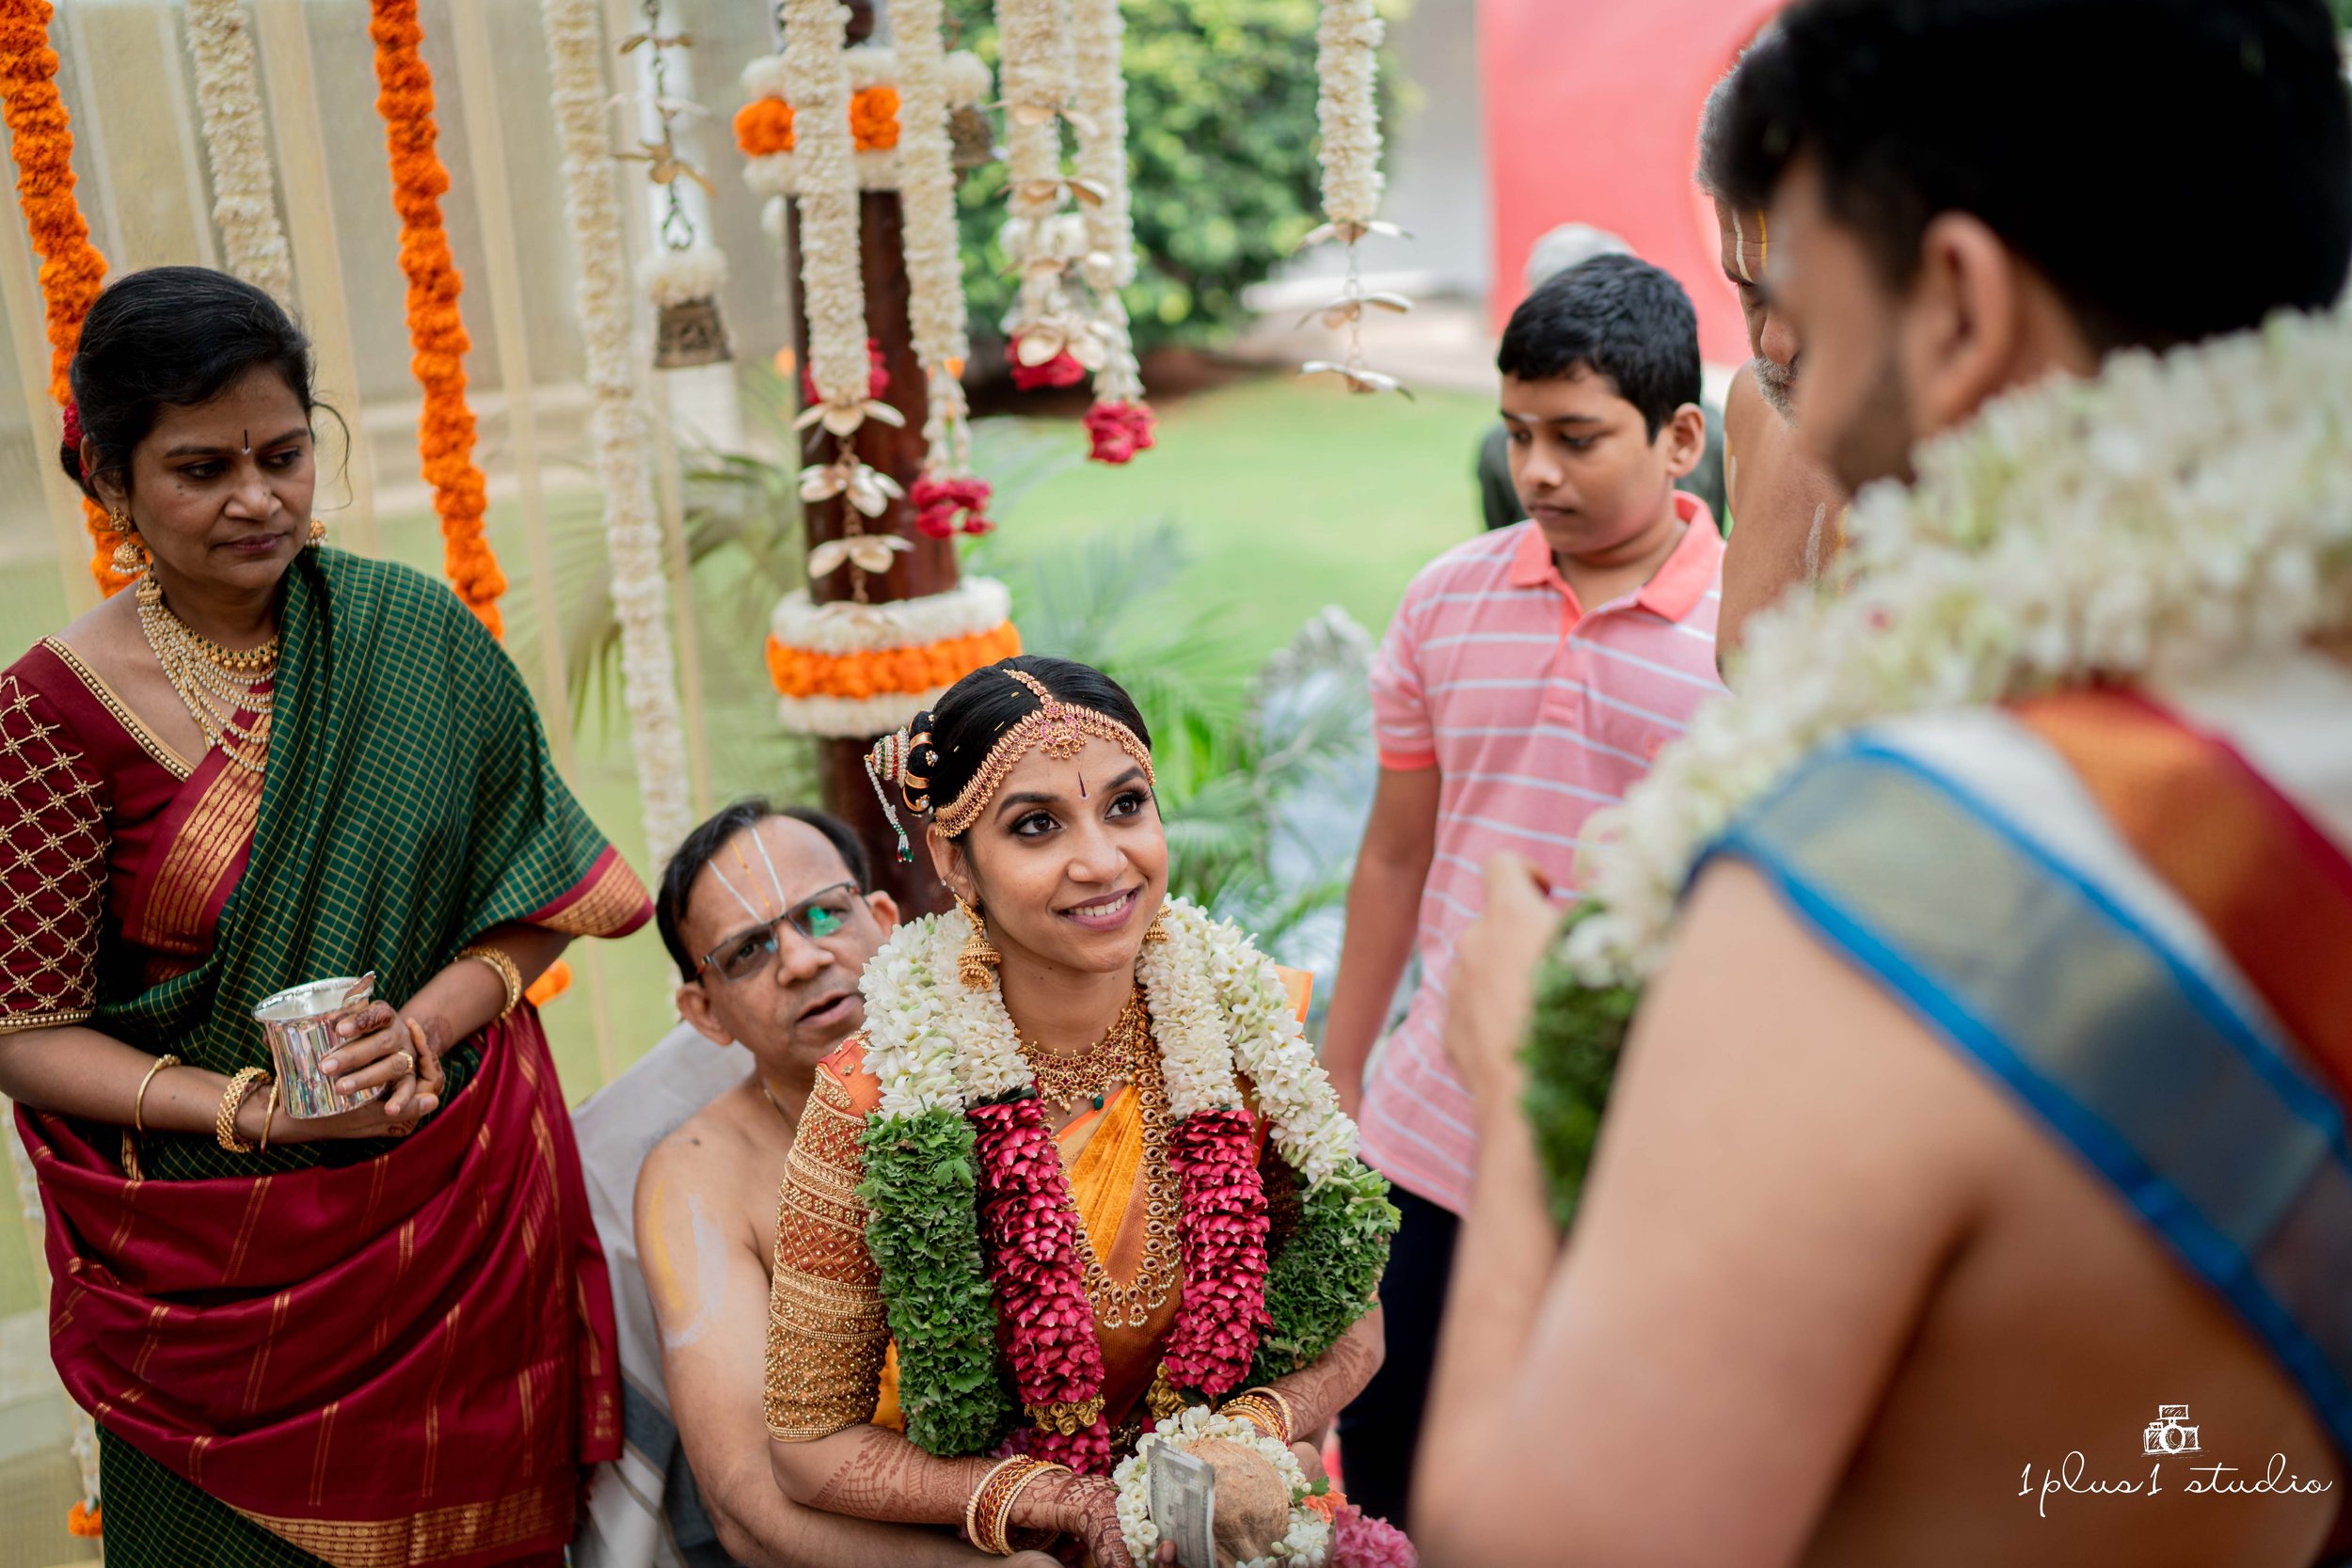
1528 680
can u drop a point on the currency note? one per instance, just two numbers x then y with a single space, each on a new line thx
1183 1505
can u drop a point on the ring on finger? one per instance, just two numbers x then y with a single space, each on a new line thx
407 1063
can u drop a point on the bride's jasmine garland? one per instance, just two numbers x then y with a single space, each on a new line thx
970 1220
2167 516
1305 1545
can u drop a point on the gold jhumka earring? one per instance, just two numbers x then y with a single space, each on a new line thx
317 535
130 555
975 966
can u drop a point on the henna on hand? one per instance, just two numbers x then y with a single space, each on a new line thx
889 1479
1319 1392
1084 1506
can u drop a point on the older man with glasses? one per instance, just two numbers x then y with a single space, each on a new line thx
767 915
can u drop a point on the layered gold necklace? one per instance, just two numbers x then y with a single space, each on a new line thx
1127 1055
217 683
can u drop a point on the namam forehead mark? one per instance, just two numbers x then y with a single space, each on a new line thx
1749 252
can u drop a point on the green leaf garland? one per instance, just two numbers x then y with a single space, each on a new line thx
1323 1279
921 1196
1571 1056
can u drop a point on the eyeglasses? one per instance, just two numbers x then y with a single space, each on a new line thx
819 916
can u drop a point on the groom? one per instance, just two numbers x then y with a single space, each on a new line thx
1974 1187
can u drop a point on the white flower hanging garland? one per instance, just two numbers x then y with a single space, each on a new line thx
1040 239
1306 1545
1097 30
229 97
2167 516
1348 111
934 256
632 534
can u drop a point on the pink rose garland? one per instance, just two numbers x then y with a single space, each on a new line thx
1029 1233
1224 1247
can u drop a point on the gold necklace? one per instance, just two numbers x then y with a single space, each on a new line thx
790 1124
1132 1305
1063 1081
216 684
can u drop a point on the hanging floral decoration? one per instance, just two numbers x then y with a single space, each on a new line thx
1347 109
686 273
1047 325
236 145
861 670
40 139
2184 512
445 425
959 1116
816 71
1119 424
632 533
880 114
934 88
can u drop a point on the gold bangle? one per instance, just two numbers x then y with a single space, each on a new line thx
269 1114
1264 1409
138 1106
232 1100
971 1503
1001 1530
509 974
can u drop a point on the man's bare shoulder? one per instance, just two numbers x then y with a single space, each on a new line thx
1743 404
710 1153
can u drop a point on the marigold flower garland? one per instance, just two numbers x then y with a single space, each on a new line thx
632 531
2167 516
228 94
40 139
445 425
861 669
949 1059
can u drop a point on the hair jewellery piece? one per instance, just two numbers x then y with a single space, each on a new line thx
1056 728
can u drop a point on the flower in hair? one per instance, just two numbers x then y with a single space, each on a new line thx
74 426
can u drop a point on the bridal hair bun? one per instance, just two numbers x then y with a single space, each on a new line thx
901 764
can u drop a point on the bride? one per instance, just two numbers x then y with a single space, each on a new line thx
1080 1173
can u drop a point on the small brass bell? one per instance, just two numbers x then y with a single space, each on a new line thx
689 333
973 138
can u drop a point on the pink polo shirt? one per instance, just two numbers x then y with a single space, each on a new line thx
1537 713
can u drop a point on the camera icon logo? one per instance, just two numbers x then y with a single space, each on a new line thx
2169 1432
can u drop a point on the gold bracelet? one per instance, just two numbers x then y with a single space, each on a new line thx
1264 1409
138 1106
1001 1530
508 973
971 1503
269 1114
232 1100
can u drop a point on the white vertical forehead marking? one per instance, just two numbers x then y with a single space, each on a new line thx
773 880
1740 248
731 889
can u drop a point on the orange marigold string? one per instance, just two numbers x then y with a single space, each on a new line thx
871 673
445 428
874 119
763 126
72 271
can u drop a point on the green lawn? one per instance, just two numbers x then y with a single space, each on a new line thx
1288 497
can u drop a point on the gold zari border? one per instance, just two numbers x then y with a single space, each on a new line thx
434 1535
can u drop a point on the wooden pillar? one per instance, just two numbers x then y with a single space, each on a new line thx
929 567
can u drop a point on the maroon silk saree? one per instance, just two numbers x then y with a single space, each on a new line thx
387 1352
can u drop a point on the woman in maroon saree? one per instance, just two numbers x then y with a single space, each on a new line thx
376 1337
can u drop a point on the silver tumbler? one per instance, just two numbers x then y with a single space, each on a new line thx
300 1024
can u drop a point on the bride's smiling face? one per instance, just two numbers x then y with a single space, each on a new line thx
1069 863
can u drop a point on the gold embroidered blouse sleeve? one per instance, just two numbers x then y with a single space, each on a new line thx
826 1335
52 866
